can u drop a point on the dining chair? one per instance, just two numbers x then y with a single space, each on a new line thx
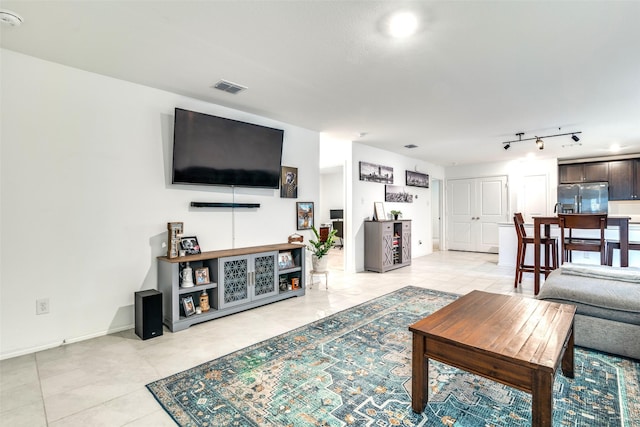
571 222
615 244
550 248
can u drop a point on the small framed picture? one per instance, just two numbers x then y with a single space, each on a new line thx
189 307
289 182
202 276
304 213
378 211
190 245
285 260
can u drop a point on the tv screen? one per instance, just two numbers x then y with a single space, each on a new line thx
336 214
217 151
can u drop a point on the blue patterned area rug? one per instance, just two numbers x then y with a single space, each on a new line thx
353 368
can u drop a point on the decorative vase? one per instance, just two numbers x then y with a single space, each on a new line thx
187 277
319 264
204 301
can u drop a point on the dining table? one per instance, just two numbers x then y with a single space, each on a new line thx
545 222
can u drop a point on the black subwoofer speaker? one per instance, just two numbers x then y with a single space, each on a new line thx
148 309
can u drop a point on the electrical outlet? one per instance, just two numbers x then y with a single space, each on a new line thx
42 306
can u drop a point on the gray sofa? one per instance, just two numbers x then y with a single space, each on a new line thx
607 301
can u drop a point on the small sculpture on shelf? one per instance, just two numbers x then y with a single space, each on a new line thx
204 301
187 277
174 230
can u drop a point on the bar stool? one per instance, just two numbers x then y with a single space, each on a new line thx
570 222
615 244
550 246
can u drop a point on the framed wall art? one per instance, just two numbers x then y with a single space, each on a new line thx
397 193
417 179
289 182
304 215
376 173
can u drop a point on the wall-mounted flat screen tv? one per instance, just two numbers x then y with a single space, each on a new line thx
214 150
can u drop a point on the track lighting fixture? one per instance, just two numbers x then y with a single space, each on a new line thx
538 139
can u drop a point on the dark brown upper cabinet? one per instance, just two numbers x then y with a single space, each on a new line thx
584 172
624 179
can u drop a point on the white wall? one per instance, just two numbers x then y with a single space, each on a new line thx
519 173
365 193
86 196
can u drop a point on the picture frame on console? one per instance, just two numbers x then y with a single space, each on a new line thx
378 211
202 276
188 306
190 245
304 215
285 260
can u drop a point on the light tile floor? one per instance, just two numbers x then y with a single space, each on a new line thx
101 382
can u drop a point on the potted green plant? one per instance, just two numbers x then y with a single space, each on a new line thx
319 249
395 214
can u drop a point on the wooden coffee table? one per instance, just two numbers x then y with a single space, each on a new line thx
516 341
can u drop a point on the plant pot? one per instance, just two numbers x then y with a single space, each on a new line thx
395 217
319 264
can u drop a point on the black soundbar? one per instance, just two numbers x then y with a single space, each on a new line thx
224 205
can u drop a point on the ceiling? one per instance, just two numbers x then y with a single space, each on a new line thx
475 74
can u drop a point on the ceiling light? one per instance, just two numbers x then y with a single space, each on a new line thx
403 24
10 18
538 139
614 148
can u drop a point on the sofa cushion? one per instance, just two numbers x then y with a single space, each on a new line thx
607 299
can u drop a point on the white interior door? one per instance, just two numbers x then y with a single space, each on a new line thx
475 208
491 209
460 205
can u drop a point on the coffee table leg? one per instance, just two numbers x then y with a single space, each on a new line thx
567 358
419 375
542 399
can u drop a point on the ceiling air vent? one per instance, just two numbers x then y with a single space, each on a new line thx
411 146
229 87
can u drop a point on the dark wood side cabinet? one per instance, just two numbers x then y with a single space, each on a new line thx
584 172
624 179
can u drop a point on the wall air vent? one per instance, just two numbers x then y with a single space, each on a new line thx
411 146
229 87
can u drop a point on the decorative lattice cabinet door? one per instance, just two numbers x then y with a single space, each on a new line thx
245 278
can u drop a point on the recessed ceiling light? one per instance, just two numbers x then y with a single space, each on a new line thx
614 148
10 18
403 24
